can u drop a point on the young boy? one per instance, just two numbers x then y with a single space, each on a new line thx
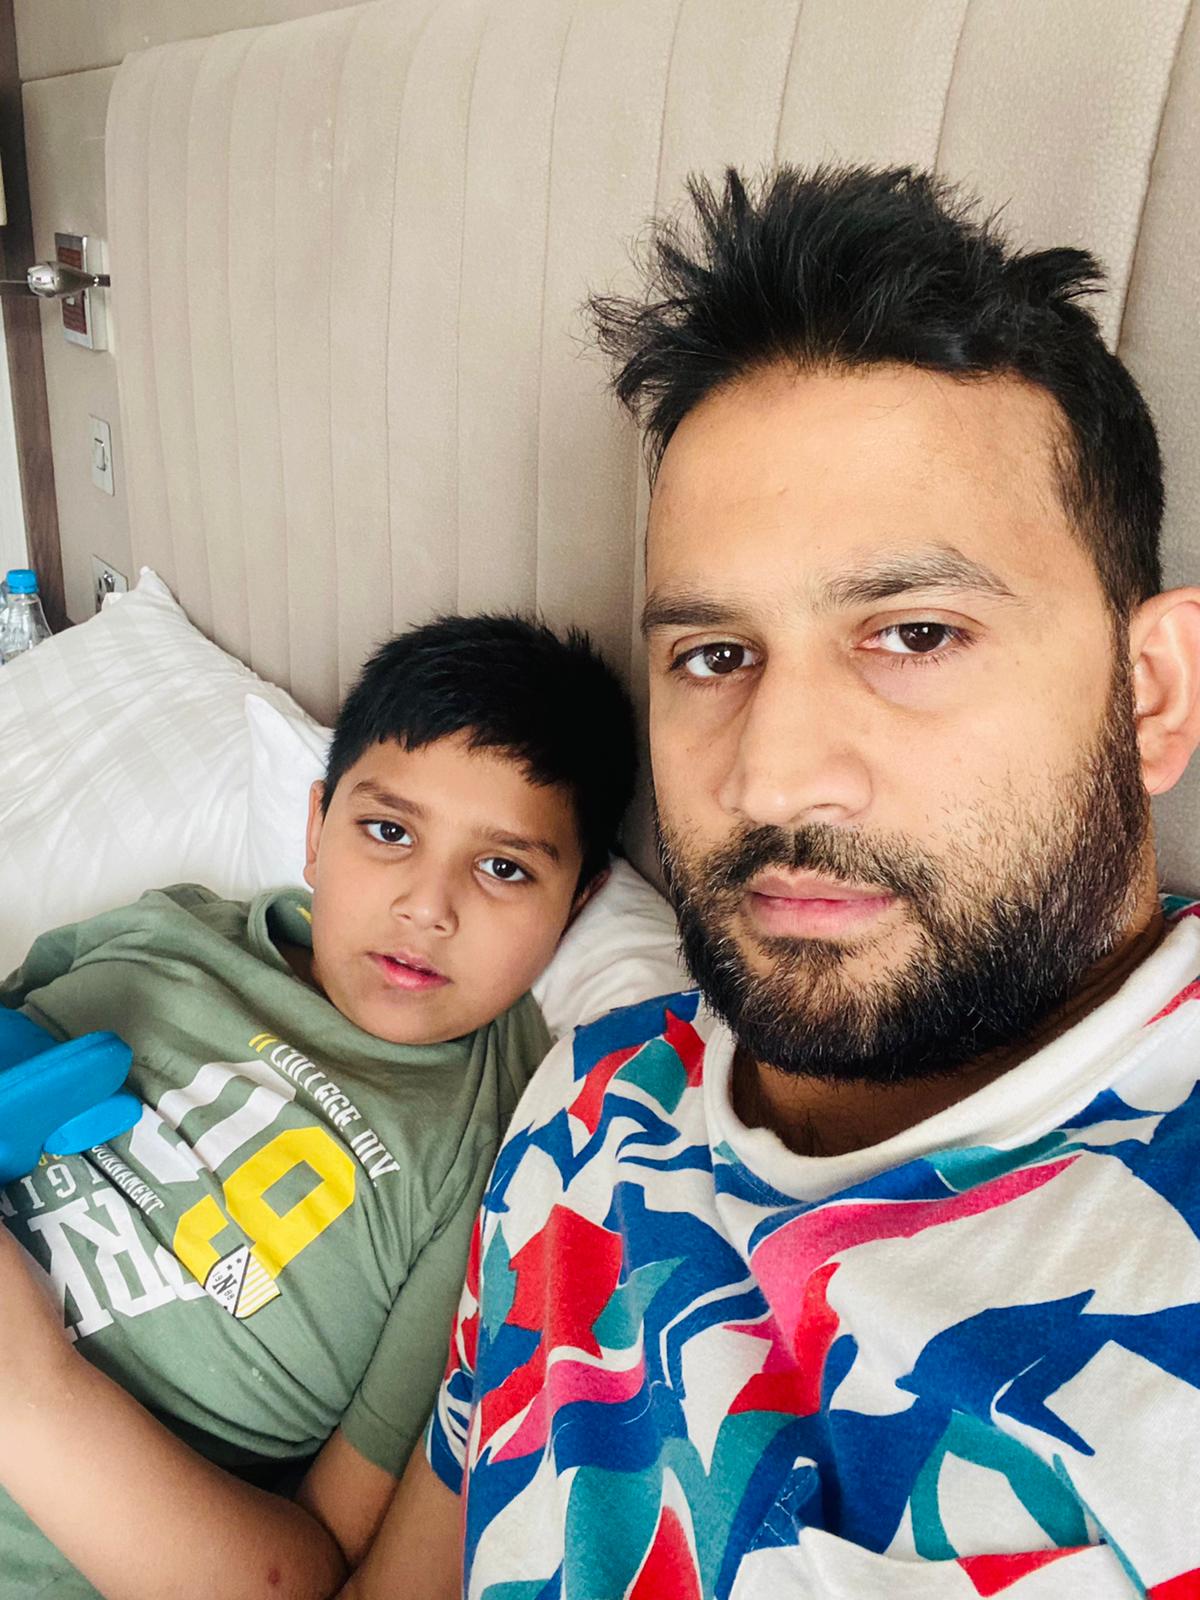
263 1271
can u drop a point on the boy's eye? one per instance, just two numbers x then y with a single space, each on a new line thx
717 660
503 870
388 833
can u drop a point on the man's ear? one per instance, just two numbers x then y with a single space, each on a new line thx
588 892
312 837
1164 647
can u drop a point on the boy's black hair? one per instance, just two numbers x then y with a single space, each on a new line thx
843 267
510 682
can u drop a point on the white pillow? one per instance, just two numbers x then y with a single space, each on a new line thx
124 764
287 756
620 949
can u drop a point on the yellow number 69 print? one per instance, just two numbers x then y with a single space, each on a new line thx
275 1238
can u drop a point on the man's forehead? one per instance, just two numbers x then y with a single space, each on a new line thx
781 423
888 465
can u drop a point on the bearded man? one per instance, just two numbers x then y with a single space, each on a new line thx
871 1269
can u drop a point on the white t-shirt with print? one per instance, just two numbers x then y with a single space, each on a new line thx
962 1362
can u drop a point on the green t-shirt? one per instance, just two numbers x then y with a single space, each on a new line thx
277 1248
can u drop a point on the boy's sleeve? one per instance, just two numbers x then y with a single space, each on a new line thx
392 1403
50 957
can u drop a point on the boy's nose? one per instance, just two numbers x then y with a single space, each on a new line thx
425 902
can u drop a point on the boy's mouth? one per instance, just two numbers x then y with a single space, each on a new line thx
407 971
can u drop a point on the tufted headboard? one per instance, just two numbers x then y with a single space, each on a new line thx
348 254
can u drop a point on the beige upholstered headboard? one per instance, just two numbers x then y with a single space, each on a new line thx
348 254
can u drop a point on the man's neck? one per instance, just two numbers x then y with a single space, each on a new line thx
816 1117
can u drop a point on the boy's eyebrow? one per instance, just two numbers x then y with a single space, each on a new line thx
514 841
389 798
506 841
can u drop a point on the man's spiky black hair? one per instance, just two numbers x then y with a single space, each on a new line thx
513 685
844 267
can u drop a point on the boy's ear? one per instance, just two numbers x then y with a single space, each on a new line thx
312 837
1164 647
588 892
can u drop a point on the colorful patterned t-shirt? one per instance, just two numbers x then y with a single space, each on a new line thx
963 1362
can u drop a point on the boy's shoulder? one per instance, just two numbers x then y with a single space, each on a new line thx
172 920
182 906
186 923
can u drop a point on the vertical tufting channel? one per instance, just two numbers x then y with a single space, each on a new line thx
1061 130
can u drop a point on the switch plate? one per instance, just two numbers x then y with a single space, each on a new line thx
106 580
101 448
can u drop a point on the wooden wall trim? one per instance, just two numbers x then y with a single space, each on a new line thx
23 333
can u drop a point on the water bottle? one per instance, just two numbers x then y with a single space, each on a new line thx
3 608
23 622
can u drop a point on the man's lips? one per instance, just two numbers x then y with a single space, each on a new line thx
405 970
801 905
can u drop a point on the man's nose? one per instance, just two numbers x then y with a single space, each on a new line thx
425 898
800 751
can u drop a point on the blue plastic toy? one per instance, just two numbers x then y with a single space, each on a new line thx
58 1098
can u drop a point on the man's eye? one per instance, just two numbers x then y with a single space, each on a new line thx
503 870
388 833
716 660
917 638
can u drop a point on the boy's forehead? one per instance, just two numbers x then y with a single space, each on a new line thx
486 792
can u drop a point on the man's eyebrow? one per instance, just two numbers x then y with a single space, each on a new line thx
865 583
941 567
682 608
389 798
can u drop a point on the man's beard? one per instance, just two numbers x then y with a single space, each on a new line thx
1001 943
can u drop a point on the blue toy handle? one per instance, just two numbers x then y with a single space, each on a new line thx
58 1098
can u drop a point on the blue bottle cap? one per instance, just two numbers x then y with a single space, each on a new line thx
22 580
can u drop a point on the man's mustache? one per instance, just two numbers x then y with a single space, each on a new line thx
854 858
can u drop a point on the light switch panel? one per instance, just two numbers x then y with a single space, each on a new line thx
101 447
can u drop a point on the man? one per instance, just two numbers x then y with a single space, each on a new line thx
875 1270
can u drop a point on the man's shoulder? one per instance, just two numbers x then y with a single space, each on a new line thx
175 901
629 1028
582 1065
